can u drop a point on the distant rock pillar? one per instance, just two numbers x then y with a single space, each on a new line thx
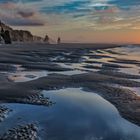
58 40
7 37
47 39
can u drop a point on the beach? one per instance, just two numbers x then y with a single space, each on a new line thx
109 73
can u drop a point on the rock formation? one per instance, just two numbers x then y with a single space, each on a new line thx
21 35
47 39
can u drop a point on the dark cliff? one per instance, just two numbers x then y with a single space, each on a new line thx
21 35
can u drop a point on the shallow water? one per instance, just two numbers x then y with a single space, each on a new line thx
128 53
104 56
77 115
24 76
136 90
73 72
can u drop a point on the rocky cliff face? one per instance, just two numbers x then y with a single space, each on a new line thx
21 35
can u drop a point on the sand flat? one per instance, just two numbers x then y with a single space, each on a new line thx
58 61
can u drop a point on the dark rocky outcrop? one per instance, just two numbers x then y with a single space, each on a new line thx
21 35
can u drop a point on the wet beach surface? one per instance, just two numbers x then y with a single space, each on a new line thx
70 92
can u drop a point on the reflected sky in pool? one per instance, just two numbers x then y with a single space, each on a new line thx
77 115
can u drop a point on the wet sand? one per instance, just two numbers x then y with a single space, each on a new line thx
30 57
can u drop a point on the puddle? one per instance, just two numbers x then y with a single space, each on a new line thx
136 90
134 70
24 76
74 72
79 67
77 115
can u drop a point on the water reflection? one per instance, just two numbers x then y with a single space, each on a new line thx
77 115
86 116
24 76
127 53
93 61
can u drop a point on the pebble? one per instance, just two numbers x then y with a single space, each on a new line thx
4 112
22 132
36 100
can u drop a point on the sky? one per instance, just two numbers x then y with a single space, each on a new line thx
76 20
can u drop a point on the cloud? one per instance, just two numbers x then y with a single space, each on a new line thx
22 22
25 14
69 7
18 15
60 13
125 5
23 1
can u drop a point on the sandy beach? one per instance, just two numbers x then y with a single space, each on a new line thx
28 69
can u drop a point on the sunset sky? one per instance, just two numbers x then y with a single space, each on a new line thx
76 20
